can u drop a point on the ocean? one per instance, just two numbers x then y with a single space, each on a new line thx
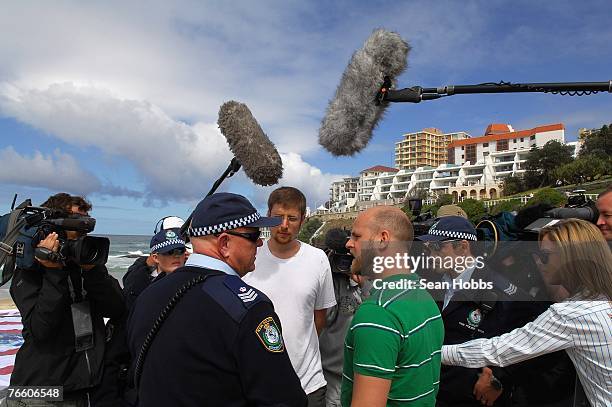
124 249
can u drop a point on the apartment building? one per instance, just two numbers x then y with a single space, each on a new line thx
427 147
476 167
344 193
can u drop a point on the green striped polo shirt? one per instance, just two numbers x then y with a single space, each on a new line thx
396 334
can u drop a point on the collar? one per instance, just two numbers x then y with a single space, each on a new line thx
204 261
466 275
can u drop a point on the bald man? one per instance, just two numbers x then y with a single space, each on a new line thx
392 349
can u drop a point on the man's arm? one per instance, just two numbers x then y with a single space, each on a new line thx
375 345
326 297
320 320
266 373
41 295
370 391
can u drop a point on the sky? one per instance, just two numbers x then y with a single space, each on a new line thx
118 101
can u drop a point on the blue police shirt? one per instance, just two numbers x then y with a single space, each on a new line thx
220 345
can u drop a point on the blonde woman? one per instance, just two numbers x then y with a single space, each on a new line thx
573 254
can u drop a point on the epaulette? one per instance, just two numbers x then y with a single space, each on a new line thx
504 285
234 295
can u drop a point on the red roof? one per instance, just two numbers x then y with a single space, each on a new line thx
497 128
380 168
506 136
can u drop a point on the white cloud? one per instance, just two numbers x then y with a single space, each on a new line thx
176 160
57 171
170 155
309 179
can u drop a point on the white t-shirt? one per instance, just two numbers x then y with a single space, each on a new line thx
297 287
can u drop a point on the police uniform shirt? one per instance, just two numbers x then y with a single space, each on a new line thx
466 318
221 345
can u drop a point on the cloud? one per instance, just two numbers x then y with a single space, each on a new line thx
57 171
170 155
177 161
297 173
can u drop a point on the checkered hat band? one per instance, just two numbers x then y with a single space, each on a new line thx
222 227
166 243
454 235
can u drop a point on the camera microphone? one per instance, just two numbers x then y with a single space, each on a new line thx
586 213
85 224
355 111
250 145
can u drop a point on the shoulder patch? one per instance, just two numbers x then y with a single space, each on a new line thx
270 335
247 294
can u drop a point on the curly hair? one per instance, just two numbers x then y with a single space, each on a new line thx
63 203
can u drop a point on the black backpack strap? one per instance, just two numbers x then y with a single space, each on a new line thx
159 322
7 245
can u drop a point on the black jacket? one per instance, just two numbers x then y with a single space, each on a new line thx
48 356
116 386
136 279
485 313
219 346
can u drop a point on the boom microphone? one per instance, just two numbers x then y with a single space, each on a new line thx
354 112
250 145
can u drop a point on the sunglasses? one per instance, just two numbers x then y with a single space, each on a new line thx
437 246
174 252
252 236
544 256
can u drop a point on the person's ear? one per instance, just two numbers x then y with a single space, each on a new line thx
385 239
155 258
463 247
223 245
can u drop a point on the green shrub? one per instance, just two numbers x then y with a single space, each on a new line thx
308 229
474 209
548 196
506 206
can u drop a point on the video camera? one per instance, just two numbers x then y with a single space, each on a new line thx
339 257
25 226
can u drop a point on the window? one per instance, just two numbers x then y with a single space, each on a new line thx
462 148
470 154
522 139
485 145
532 137
502 145
514 141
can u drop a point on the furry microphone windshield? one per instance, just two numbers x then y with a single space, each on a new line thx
353 114
250 145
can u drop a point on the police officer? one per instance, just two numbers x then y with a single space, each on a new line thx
472 310
201 336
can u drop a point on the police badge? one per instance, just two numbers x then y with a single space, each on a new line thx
270 336
474 317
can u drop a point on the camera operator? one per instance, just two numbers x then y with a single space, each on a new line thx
349 295
62 305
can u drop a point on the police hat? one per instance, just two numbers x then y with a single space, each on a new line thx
450 227
166 241
225 211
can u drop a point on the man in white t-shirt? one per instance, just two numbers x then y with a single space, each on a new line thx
297 278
